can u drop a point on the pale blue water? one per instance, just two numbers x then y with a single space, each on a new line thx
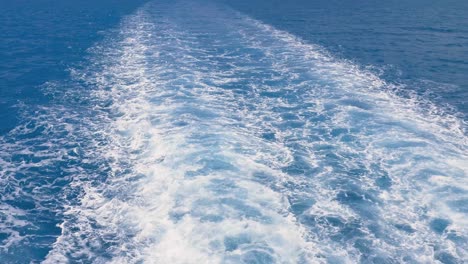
246 132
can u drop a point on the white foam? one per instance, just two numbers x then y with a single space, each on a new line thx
194 179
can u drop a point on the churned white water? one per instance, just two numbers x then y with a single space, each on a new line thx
224 140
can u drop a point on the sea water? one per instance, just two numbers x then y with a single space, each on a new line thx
217 132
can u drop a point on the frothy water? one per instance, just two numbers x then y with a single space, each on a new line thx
195 134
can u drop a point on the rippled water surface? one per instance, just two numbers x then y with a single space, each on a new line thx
200 132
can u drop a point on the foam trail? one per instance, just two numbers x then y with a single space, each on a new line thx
197 195
219 139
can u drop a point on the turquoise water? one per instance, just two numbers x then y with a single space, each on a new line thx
210 132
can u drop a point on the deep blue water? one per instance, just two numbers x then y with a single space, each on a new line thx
216 131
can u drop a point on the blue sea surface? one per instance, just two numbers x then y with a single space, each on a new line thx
215 131
422 44
41 39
